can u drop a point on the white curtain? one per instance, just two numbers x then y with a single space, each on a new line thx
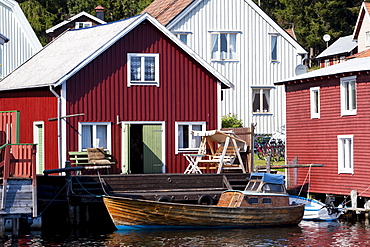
232 46
135 68
86 136
266 100
214 54
195 140
101 136
149 69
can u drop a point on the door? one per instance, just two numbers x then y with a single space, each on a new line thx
152 148
126 149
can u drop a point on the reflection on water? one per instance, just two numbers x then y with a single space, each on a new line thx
307 233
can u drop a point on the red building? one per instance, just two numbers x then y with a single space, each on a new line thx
128 86
328 118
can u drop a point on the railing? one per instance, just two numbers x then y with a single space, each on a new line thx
19 160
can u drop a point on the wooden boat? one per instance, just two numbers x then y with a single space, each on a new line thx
263 203
316 210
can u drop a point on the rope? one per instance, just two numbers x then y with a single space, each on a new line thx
86 189
68 181
309 181
101 183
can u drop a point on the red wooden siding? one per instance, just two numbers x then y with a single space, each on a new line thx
315 140
35 105
186 92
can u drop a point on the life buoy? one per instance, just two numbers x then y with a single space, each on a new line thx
205 200
164 199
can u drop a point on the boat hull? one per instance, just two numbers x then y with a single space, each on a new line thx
315 210
134 212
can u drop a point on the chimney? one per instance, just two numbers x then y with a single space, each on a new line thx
100 12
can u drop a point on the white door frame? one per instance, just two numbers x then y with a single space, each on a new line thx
36 141
125 169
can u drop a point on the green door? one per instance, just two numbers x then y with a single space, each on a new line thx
152 149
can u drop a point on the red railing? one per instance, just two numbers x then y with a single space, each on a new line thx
18 161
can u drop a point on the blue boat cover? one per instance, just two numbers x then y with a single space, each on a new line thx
268 177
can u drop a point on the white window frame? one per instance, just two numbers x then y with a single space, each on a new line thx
94 124
274 41
367 38
177 134
315 102
261 100
218 52
142 69
342 59
84 25
346 97
183 36
345 154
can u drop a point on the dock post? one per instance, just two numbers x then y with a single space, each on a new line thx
268 164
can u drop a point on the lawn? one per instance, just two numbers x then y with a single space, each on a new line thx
258 162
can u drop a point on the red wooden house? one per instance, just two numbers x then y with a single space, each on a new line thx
128 86
328 118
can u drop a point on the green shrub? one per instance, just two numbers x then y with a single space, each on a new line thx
231 121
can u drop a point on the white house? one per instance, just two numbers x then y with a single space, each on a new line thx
22 40
245 45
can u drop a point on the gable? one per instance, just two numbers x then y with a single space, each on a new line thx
362 26
73 50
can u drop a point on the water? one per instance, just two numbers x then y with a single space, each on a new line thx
307 233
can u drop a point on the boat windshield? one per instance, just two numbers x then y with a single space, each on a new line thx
253 185
272 188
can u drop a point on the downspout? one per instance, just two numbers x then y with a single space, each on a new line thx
59 127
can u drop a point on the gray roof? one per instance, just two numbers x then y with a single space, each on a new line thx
352 65
73 50
342 45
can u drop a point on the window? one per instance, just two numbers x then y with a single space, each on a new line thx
83 24
223 46
266 200
261 100
253 200
327 63
315 102
274 44
367 38
342 59
185 140
143 69
183 37
345 154
94 135
348 95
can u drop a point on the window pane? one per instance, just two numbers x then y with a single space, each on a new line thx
316 101
101 136
353 95
135 68
184 38
214 46
266 100
196 140
149 69
256 100
224 46
274 48
183 136
232 46
86 136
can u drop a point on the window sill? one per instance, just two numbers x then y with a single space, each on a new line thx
262 114
143 84
224 60
190 150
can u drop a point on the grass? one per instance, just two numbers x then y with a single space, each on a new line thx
258 162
